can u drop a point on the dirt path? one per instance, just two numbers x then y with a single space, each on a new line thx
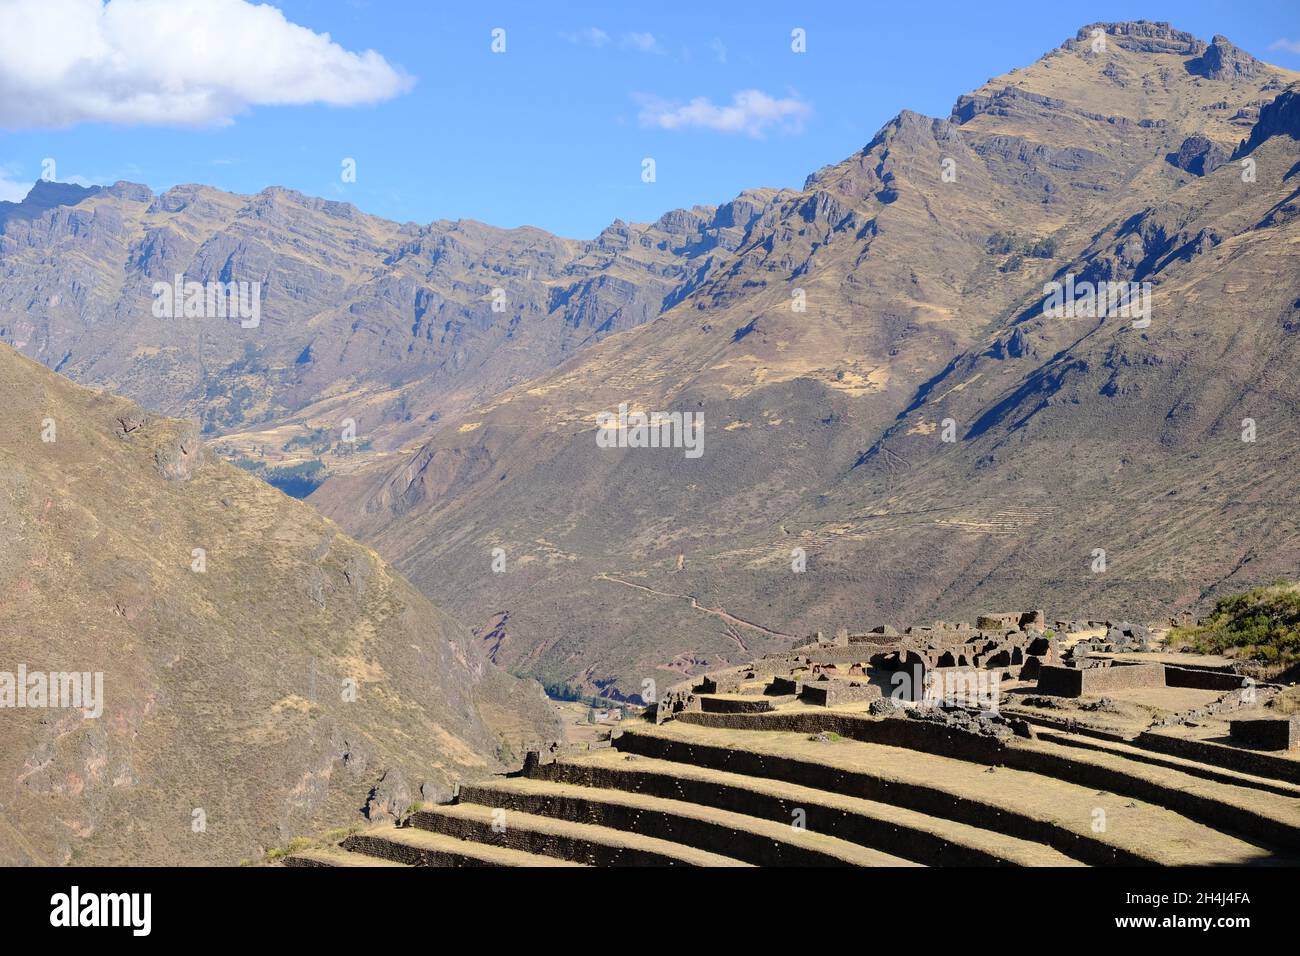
731 619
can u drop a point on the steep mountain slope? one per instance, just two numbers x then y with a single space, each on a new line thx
1170 447
388 325
262 674
921 262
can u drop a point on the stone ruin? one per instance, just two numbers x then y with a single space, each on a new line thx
1267 733
1119 638
869 665
1016 643
956 665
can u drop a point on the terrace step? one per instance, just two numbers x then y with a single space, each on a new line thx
409 846
892 829
566 840
1134 750
331 856
1260 815
736 704
1028 800
748 838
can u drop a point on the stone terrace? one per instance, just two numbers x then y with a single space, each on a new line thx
1006 742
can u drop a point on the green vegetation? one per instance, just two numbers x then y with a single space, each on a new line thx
1018 249
317 436
329 838
304 469
561 690
293 846
1262 624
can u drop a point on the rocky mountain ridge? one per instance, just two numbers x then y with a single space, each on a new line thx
389 326
894 427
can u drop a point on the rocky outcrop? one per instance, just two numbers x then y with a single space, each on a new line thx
181 454
1280 117
1199 155
1140 36
1223 61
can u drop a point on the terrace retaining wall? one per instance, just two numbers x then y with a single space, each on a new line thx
925 799
1060 681
937 739
713 836
1220 755
889 835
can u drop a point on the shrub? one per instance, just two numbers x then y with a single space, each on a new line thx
1262 624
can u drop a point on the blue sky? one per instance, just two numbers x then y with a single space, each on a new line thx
553 132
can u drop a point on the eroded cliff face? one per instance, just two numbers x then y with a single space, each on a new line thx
262 675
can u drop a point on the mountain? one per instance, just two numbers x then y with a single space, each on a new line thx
384 324
256 674
897 301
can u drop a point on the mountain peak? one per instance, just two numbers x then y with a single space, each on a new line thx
134 192
1223 61
1142 36
1219 59
45 195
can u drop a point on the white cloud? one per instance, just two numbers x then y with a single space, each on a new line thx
597 38
1291 46
171 63
591 36
13 188
751 112
643 42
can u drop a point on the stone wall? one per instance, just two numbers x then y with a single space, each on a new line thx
1201 678
377 846
1108 676
890 833
1060 681
1266 733
893 732
731 705
948 742
1220 755
649 821
827 693
560 845
864 783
